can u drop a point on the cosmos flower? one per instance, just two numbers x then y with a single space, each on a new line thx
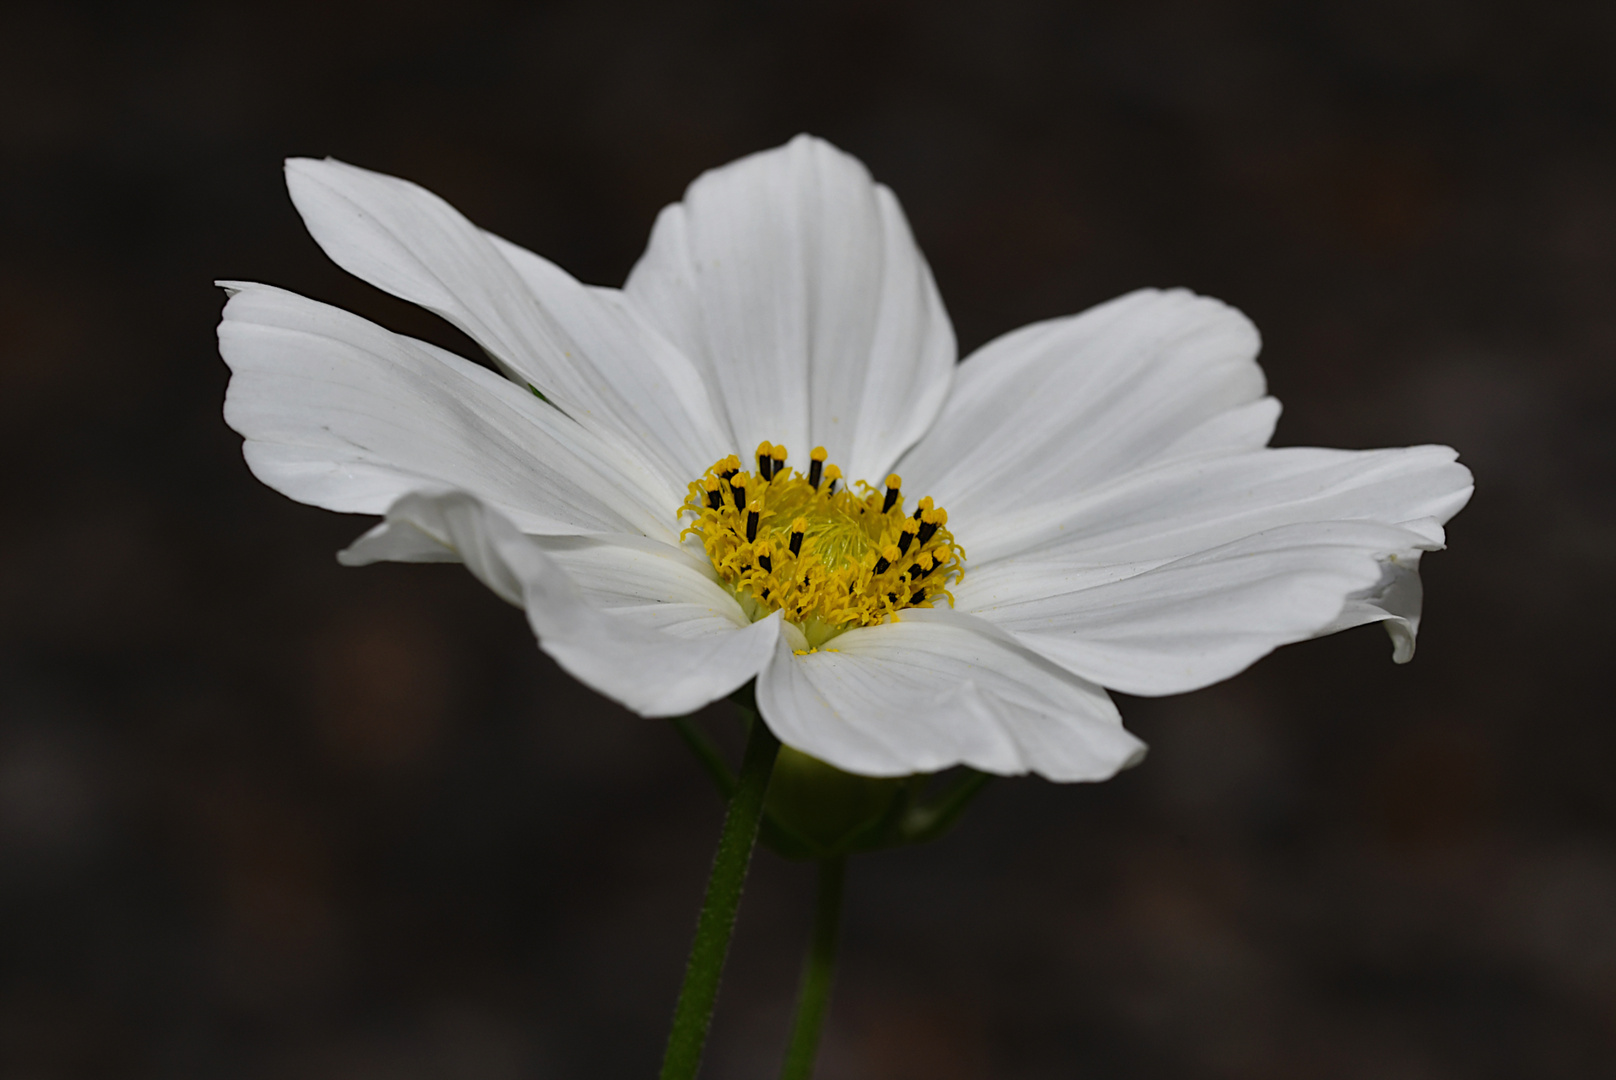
760 459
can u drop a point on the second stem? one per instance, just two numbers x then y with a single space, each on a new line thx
813 998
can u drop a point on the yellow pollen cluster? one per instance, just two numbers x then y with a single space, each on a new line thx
829 557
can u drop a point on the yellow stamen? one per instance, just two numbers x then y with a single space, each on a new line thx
829 559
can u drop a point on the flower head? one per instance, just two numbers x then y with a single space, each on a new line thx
760 460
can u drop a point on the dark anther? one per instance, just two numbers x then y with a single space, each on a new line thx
928 530
892 598
715 498
796 543
917 573
738 492
765 594
903 541
727 473
917 513
765 462
920 594
892 497
881 565
767 564
751 525
816 469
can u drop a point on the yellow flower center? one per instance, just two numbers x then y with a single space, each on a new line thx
808 545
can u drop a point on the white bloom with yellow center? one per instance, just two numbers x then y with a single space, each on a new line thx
759 459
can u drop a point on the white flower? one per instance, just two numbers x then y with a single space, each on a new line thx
1106 475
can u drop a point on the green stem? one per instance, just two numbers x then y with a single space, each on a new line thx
694 1013
706 753
813 997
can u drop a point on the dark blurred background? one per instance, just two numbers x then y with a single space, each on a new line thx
264 817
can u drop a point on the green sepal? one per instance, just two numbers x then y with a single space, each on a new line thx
816 811
829 812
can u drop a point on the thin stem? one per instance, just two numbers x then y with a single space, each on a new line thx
925 823
694 1013
706 753
813 997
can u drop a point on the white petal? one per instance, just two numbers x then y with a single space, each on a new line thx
590 354
1188 506
1180 507
1394 601
1244 427
1061 406
1168 628
938 689
657 585
341 413
596 627
794 280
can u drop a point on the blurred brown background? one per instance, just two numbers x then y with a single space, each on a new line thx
264 817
